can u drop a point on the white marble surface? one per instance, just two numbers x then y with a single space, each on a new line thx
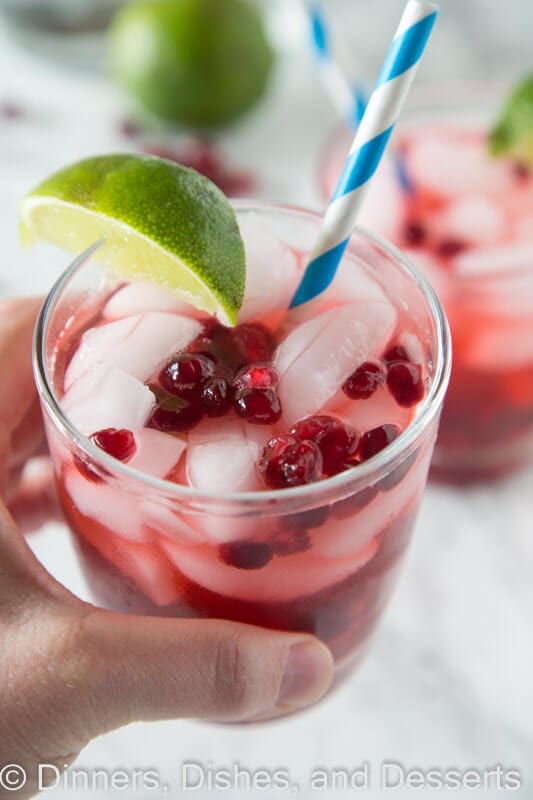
448 682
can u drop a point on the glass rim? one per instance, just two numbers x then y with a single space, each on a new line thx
451 93
315 493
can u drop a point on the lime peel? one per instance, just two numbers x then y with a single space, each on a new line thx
158 221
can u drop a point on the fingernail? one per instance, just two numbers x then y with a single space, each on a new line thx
308 673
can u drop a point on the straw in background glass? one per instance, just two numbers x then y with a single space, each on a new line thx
378 122
350 102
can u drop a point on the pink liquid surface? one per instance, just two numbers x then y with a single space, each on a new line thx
468 225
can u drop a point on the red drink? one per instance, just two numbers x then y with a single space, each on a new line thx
270 473
468 225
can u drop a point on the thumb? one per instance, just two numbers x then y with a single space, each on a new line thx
73 671
137 668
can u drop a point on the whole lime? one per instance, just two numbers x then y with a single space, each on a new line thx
199 62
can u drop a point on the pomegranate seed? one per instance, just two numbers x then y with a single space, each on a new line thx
256 376
377 439
405 383
258 406
202 156
185 374
180 419
336 440
129 128
207 354
212 328
395 353
119 443
245 555
198 155
287 462
313 518
449 248
216 396
253 343
209 340
415 234
311 427
365 380
398 473
286 543
344 509
236 183
10 110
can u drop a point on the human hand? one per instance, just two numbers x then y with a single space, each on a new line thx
69 671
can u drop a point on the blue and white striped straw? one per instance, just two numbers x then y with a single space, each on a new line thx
380 117
350 103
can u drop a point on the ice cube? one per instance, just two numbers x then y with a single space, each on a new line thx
138 344
353 283
142 296
280 580
315 359
453 163
348 537
523 227
429 266
217 528
111 507
272 271
380 409
487 261
223 458
148 567
106 397
165 522
157 452
123 541
475 218
413 346
501 347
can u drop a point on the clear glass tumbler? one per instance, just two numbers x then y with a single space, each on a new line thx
151 546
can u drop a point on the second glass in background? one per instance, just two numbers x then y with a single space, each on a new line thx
468 225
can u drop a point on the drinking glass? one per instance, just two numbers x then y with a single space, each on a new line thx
152 546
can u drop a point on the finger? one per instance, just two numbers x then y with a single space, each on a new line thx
35 500
90 671
127 668
27 439
23 580
17 391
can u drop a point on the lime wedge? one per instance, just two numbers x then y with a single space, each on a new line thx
513 134
158 221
